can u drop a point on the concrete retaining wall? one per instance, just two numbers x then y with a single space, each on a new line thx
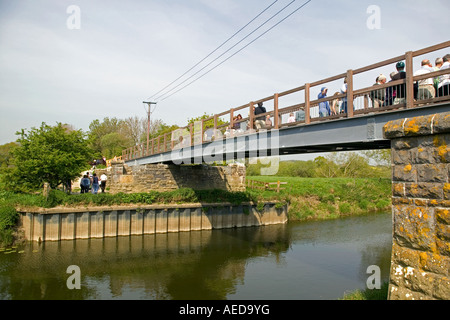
68 224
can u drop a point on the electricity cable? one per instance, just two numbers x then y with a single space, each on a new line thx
261 25
304 4
212 52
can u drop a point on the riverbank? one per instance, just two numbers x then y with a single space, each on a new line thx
307 199
329 198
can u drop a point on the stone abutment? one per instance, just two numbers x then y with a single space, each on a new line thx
420 262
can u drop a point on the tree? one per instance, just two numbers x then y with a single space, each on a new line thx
52 154
102 134
326 167
6 154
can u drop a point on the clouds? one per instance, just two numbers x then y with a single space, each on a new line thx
127 51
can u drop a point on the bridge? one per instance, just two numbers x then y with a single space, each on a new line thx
356 123
409 114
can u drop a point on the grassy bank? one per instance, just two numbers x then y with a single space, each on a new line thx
368 294
328 198
308 198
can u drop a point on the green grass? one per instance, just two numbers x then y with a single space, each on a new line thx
325 198
374 294
308 198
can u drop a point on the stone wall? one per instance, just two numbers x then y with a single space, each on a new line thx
420 263
163 177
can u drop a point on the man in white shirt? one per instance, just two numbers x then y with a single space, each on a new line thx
444 80
103 179
426 89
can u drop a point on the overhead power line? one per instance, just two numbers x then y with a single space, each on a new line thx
220 63
248 35
212 52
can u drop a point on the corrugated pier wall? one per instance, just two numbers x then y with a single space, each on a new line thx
98 222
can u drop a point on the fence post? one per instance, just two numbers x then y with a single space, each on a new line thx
231 120
215 126
275 111
165 142
349 93
251 115
409 80
307 104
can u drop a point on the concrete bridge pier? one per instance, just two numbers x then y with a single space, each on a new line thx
420 263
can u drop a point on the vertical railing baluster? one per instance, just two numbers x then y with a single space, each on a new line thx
251 116
275 111
350 93
307 104
409 80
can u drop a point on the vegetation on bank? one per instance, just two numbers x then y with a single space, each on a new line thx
308 198
322 198
369 294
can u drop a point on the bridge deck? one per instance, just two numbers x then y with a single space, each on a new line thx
357 133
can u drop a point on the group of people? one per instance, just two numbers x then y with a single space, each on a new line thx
424 89
93 183
259 122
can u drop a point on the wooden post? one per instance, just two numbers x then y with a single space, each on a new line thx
251 115
307 104
275 111
202 133
231 120
409 80
159 142
215 126
349 94
165 142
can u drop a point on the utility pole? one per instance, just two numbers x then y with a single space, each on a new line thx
148 121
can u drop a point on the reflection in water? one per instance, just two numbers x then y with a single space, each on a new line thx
314 260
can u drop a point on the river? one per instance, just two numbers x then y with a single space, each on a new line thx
300 260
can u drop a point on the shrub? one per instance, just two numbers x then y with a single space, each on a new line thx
382 203
364 204
344 208
8 217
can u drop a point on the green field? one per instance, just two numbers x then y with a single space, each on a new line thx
308 198
325 198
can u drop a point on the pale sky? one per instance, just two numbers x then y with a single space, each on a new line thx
126 51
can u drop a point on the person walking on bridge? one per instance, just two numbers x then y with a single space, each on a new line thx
260 122
324 107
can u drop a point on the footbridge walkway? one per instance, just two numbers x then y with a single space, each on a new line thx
357 115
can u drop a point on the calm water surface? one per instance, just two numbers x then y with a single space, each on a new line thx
312 260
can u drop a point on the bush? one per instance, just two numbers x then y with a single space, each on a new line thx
8 217
55 198
383 203
344 208
364 204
